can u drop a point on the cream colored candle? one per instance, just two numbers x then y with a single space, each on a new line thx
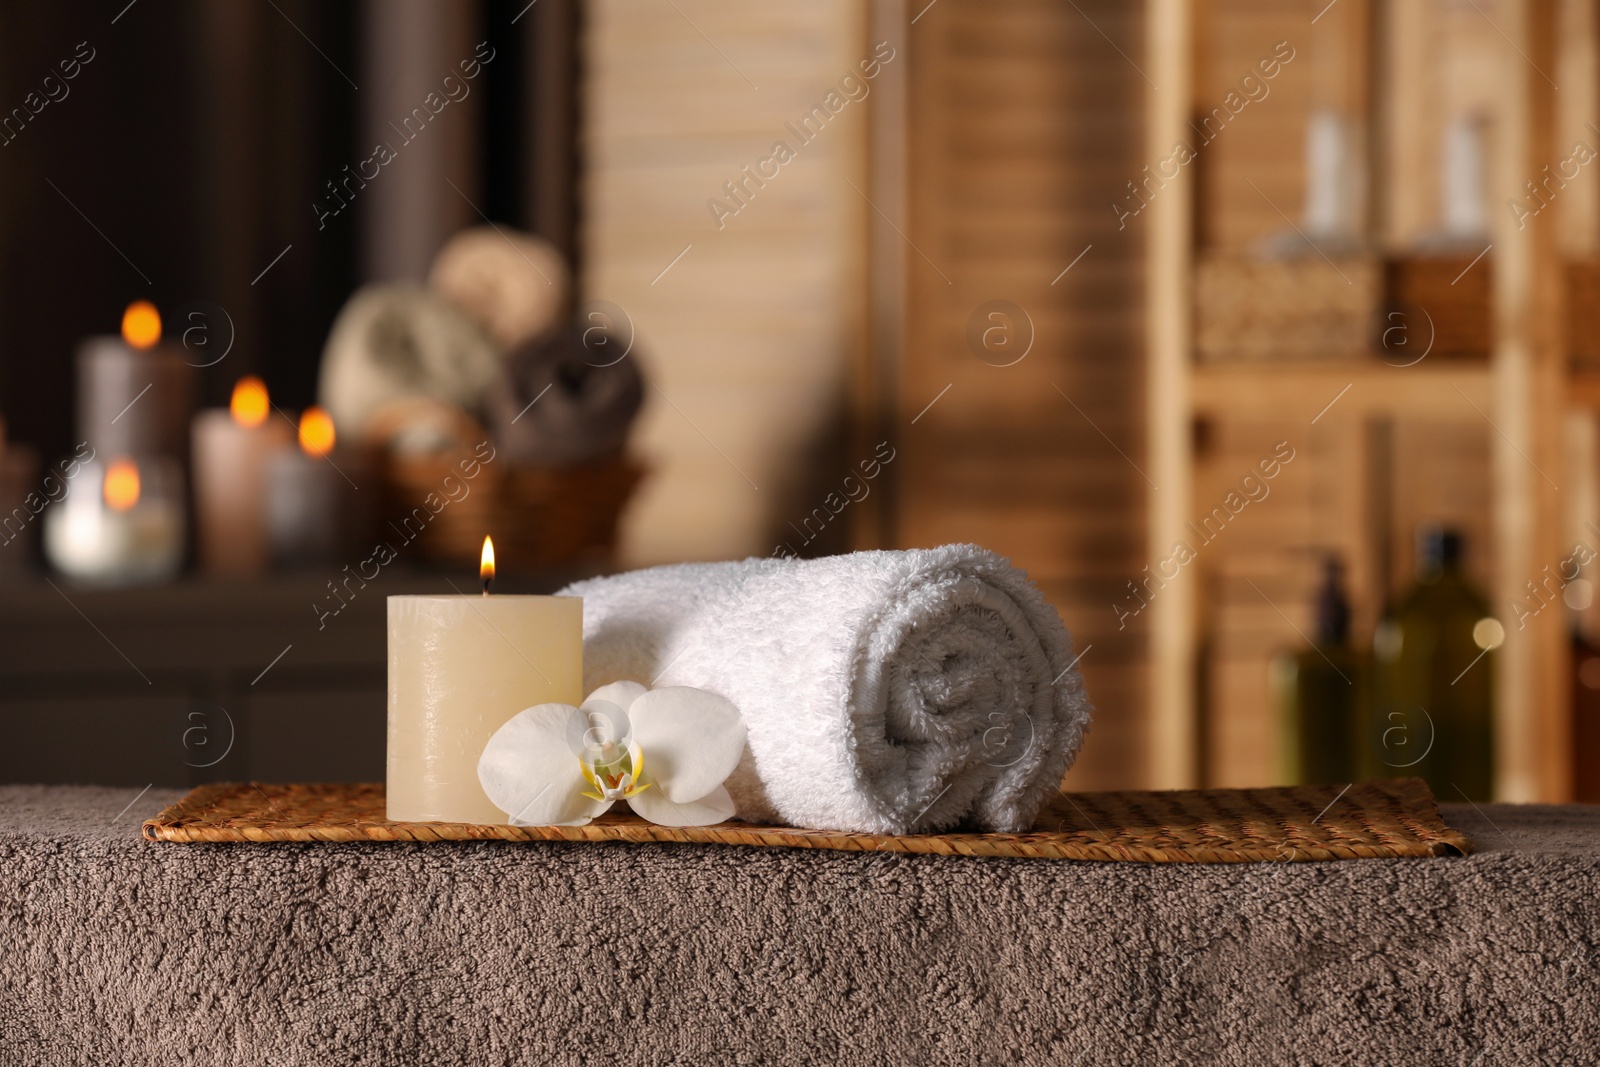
460 667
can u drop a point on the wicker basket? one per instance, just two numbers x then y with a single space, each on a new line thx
1454 294
1285 309
536 515
1583 313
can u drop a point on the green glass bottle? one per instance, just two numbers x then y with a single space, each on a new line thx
1320 693
1433 716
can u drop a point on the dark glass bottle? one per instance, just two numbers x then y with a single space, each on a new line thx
1321 694
1585 719
1434 710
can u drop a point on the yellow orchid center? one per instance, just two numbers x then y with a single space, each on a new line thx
613 770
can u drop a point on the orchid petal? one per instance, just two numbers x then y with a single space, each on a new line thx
622 694
694 739
655 805
603 807
529 773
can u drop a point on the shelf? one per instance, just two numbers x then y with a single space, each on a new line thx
1523 390
1347 389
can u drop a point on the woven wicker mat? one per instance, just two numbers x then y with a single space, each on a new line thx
1396 817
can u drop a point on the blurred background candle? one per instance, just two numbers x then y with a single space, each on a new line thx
231 451
307 517
460 667
135 393
120 524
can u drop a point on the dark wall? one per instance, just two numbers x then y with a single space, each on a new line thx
530 137
174 167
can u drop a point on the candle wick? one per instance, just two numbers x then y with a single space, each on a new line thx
486 582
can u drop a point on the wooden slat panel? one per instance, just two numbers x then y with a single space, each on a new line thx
1264 143
749 336
1023 126
1118 735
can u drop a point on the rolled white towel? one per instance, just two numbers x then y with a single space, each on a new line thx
882 692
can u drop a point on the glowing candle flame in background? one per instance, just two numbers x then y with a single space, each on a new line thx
486 564
249 404
122 484
141 324
316 432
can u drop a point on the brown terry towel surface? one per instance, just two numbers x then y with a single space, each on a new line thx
118 950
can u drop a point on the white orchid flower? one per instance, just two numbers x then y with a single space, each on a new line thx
665 751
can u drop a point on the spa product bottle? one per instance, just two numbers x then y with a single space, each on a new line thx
1434 713
1585 718
1320 694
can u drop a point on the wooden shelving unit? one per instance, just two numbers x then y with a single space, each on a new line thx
1169 262
1366 387
1522 391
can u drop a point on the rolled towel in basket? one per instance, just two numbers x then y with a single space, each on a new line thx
882 692
514 284
570 397
396 342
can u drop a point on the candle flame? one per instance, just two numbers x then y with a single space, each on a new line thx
316 432
122 484
249 405
486 562
141 324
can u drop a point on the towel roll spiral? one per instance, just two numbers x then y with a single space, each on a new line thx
883 692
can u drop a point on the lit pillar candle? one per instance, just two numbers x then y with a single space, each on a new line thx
308 510
119 525
460 667
135 393
231 451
